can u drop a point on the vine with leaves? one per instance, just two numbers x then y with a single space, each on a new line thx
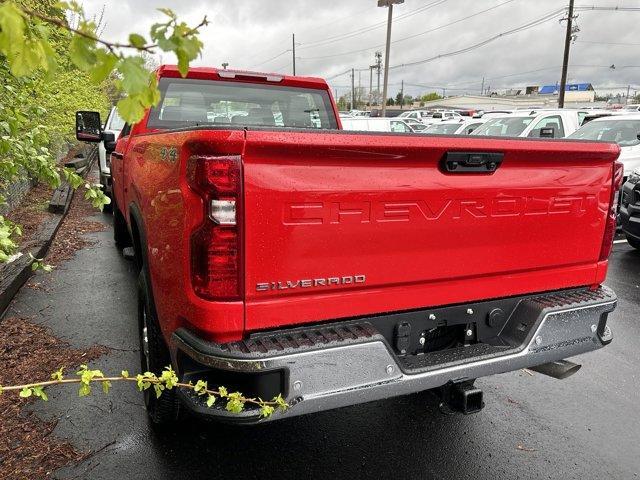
39 48
235 402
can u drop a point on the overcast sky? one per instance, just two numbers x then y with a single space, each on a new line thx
333 36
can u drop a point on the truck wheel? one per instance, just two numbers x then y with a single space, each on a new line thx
120 231
154 357
634 242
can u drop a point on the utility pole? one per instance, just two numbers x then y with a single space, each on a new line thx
628 91
293 49
401 94
389 4
359 91
378 67
353 89
565 60
371 67
482 87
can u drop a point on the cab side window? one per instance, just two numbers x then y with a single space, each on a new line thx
397 126
554 121
126 130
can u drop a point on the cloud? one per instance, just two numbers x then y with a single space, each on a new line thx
335 36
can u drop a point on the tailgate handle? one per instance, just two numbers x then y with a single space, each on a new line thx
472 162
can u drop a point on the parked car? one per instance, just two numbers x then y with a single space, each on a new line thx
493 113
339 267
416 125
632 107
431 116
114 125
443 116
621 129
453 127
376 124
629 213
419 115
547 123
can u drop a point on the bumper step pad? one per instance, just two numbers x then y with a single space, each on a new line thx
517 332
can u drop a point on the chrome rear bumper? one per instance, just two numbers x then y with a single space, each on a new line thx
348 363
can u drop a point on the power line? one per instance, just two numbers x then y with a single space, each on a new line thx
319 27
608 43
521 28
585 8
272 58
359 31
434 29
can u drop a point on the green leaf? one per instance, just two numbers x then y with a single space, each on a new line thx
130 109
201 387
124 374
137 41
234 403
25 392
135 77
82 52
211 400
84 390
282 405
106 385
104 65
168 12
158 389
266 411
57 375
39 392
222 391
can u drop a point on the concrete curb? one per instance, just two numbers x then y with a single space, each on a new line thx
16 274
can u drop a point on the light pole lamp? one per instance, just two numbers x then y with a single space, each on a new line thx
389 4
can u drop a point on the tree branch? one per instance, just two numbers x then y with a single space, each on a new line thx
110 45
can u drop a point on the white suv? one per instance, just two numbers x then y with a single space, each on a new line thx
114 124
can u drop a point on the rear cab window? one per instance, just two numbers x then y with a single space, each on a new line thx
188 102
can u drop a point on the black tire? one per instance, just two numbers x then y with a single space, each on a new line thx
108 208
120 232
154 357
103 181
634 242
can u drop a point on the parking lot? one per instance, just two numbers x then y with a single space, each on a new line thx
532 426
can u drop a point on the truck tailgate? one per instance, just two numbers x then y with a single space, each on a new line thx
342 224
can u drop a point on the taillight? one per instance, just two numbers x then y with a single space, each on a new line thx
610 226
216 243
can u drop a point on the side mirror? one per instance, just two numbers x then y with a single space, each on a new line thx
88 126
109 139
547 132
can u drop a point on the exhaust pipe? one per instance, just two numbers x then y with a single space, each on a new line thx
559 369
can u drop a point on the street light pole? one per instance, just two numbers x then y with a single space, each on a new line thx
293 44
565 59
389 4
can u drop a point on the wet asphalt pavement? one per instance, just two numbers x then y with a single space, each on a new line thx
585 427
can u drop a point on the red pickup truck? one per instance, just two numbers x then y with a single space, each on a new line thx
280 254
